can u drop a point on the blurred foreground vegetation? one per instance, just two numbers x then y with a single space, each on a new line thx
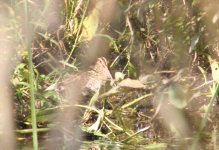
166 46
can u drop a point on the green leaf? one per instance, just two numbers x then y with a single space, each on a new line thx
46 115
131 69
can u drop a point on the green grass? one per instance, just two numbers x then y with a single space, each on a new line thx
28 42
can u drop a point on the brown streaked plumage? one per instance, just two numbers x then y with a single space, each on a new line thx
88 81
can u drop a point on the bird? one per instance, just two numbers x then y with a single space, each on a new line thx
86 82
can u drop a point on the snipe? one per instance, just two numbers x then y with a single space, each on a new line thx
88 81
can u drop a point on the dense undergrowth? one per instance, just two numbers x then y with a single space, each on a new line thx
167 47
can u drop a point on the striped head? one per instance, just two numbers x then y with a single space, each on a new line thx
98 75
101 69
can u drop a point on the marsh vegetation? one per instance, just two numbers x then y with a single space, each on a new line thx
109 74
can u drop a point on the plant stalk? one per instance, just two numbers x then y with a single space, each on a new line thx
31 77
205 119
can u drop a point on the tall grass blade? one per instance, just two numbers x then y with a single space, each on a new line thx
204 120
31 77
